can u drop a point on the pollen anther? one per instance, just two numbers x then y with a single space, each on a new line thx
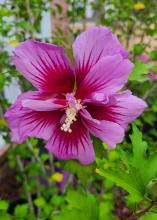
71 113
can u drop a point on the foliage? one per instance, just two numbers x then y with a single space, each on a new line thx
140 71
134 177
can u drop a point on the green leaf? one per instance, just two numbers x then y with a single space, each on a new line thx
153 54
85 203
71 215
99 147
82 172
44 157
105 210
21 211
40 202
139 146
4 205
47 209
151 190
140 160
139 151
5 216
148 216
140 71
131 181
133 175
2 81
80 206
138 49
57 200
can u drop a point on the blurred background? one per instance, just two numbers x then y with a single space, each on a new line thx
29 176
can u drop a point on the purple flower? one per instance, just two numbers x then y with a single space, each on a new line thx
72 103
144 58
151 76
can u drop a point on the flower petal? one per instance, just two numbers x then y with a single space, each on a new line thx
109 132
25 122
127 107
46 66
107 76
91 45
42 105
121 108
76 145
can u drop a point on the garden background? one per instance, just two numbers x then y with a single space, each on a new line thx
122 183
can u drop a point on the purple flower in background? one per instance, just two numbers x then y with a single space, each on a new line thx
151 76
72 103
144 58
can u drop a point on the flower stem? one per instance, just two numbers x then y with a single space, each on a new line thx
139 213
148 92
28 194
36 157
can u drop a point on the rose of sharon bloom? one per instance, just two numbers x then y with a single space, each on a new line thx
73 102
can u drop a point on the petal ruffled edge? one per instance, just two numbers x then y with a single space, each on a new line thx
92 45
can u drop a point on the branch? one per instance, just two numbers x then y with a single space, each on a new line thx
28 194
139 213
36 157
148 92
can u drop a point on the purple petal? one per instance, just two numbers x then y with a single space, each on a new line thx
127 108
109 132
66 176
42 105
46 66
107 76
97 99
76 145
121 108
24 122
90 46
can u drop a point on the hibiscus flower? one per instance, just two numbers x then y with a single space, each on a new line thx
71 103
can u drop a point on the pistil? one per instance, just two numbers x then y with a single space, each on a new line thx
71 113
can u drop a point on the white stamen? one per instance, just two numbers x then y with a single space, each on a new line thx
71 113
